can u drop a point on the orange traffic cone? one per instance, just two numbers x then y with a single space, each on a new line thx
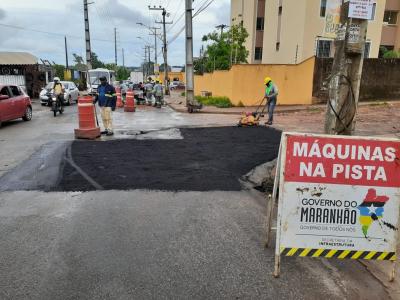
87 119
120 104
130 101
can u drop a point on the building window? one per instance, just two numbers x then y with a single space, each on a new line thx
322 11
258 53
260 23
390 17
324 48
278 46
367 49
280 10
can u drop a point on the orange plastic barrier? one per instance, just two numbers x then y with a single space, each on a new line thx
120 104
88 128
130 102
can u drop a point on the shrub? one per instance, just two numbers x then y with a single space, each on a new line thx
220 102
392 54
240 104
183 94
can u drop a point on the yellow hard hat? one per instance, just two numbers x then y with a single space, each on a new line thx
267 79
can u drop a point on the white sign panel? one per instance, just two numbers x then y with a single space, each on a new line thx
339 197
361 9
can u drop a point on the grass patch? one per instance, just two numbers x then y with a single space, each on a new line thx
220 102
183 94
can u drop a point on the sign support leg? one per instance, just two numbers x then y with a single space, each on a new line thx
272 201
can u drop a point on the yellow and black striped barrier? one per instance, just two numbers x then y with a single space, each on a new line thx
340 254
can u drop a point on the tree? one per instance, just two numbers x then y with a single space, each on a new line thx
162 66
223 50
79 64
59 71
96 62
122 73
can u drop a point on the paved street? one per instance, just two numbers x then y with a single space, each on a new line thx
143 243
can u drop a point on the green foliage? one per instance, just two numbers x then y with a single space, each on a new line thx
59 71
96 62
392 54
220 102
183 94
122 73
223 50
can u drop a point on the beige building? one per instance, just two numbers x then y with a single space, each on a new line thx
291 31
391 26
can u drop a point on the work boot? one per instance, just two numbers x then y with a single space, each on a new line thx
104 132
269 123
109 133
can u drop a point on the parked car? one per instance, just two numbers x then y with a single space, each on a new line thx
177 85
71 93
14 104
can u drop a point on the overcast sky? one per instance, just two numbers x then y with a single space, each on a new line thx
65 17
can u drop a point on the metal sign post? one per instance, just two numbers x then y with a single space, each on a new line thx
339 197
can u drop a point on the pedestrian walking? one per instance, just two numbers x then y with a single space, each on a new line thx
158 94
271 95
107 100
149 92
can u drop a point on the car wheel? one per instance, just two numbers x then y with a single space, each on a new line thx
69 101
28 114
43 104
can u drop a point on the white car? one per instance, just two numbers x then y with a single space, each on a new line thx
71 93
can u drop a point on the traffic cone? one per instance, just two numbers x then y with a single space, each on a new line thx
87 119
120 104
130 101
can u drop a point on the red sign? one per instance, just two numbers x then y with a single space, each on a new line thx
343 161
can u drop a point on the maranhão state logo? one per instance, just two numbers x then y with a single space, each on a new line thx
372 209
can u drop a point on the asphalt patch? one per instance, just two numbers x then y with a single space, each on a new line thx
207 159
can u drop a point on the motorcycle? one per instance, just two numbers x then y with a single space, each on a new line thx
56 105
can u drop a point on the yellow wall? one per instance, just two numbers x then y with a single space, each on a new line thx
180 75
245 83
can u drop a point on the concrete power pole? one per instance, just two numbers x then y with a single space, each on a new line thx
153 31
189 55
87 36
115 45
123 57
221 27
345 80
165 51
66 53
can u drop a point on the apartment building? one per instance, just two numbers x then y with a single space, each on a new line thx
391 26
291 31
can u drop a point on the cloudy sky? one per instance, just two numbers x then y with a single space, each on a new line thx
42 24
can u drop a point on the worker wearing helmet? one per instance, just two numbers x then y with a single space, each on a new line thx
59 91
271 95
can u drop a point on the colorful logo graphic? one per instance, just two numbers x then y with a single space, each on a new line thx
372 210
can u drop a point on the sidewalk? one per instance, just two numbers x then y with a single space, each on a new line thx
178 103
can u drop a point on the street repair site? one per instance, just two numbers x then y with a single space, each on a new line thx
172 206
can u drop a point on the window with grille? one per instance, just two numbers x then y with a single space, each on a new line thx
324 48
258 53
260 23
390 17
322 11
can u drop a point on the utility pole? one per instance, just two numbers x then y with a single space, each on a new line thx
87 36
345 80
66 53
165 49
189 55
123 57
115 43
221 27
144 64
149 61
153 31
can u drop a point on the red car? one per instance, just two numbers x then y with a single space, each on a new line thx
14 104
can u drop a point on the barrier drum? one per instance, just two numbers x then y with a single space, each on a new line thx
130 101
120 104
88 128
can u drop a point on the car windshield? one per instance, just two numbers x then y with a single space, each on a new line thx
95 77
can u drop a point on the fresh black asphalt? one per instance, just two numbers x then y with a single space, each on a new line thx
206 159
